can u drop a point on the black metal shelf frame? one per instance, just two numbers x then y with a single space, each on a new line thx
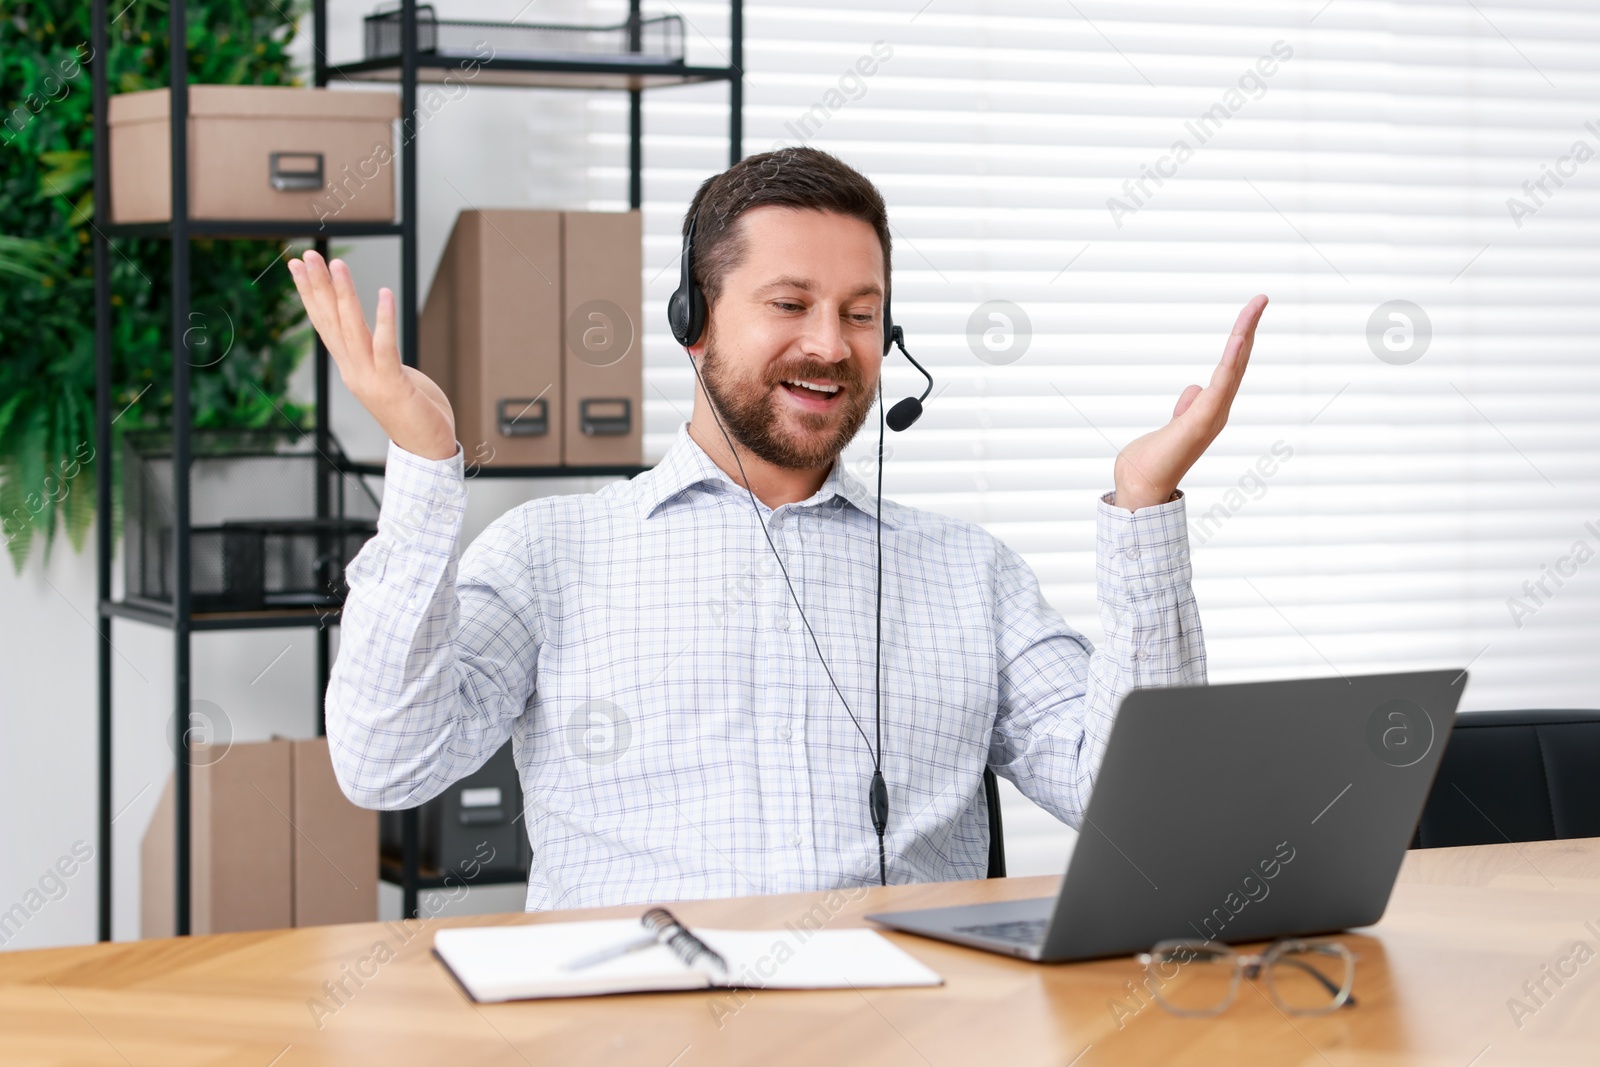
158 613
553 74
257 229
410 69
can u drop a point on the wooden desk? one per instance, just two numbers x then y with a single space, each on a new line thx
1465 930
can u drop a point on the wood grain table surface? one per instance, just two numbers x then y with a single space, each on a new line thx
1470 932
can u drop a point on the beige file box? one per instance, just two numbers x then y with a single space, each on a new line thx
603 338
490 335
273 843
335 844
240 844
257 152
532 328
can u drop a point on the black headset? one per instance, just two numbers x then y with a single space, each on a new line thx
686 315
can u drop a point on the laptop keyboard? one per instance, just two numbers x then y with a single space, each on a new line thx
1021 931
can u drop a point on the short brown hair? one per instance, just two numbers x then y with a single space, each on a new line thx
797 177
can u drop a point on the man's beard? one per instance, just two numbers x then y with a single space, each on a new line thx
749 410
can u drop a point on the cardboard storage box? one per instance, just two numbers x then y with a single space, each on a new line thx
532 329
257 152
273 843
601 292
490 335
335 844
240 844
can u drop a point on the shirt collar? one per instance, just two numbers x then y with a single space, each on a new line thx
686 465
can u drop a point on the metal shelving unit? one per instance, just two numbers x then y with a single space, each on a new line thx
406 70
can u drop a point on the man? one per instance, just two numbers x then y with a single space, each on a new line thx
677 732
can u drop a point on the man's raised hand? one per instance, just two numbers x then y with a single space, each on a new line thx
412 410
1149 469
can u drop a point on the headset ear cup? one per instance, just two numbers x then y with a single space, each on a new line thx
677 318
686 315
697 315
686 308
888 331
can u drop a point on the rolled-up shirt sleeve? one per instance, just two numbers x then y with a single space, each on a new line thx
434 666
1058 693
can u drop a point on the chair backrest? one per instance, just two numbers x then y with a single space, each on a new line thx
997 837
1515 776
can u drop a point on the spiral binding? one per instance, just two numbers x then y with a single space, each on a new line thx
685 945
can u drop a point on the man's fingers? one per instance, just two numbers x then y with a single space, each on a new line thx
1249 315
1236 353
317 292
297 271
317 310
1212 404
318 287
305 285
1243 339
352 322
1185 400
384 332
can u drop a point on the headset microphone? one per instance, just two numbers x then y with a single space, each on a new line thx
909 410
686 315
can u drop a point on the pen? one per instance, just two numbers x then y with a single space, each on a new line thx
642 942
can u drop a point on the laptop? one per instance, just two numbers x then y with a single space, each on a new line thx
1233 813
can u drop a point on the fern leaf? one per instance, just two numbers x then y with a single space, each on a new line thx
79 506
8 411
15 524
21 502
51 483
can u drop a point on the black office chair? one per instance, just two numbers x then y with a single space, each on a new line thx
997 836
1517 776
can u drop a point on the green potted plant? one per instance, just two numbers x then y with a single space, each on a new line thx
254 328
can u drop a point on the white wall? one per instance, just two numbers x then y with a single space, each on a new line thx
47 744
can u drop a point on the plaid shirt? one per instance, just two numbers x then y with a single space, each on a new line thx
674 731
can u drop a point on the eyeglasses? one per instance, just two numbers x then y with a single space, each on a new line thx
1199 978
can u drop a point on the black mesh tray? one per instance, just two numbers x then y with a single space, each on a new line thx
651 40
286 563
255 542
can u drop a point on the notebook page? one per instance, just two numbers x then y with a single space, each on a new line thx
498 963
815 959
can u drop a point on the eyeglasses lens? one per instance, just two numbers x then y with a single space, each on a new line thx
1193 978
1309 979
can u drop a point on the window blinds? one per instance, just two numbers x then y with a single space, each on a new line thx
1083 195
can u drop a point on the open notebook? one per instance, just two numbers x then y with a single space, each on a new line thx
578 959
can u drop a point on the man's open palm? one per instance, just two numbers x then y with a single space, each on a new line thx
412 410
1149 468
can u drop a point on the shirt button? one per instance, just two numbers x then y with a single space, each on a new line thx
782 622
784 733
1132 552
794 840
1138 653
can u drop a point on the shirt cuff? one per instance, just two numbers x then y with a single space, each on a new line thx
1142 553
422 498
